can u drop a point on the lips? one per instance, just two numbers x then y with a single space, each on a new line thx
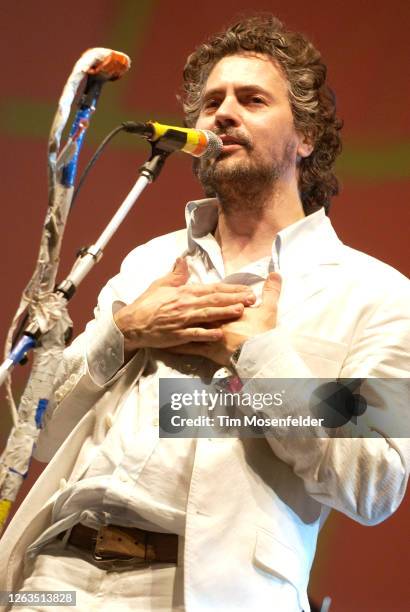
230 140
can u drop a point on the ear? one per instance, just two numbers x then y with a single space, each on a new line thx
305 146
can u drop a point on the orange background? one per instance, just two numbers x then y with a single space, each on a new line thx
366 47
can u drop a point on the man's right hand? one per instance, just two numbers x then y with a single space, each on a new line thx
170 312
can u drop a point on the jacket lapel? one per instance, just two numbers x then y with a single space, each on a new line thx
308 254
296 290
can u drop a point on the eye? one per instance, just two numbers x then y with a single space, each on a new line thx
210 104
256 100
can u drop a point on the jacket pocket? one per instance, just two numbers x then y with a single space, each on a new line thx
324 357
275 557
278 559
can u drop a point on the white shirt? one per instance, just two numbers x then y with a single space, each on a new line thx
116 488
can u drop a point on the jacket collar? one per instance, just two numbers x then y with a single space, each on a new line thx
305 253
305 244
296 249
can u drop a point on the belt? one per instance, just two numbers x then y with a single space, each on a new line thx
111 543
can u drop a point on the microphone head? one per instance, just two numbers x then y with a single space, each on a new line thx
214 145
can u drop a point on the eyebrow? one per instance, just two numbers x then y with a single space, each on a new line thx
241 89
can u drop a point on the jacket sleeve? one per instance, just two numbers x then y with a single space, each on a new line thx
93 363
363 475
92 367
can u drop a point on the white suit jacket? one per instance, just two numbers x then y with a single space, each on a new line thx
255 506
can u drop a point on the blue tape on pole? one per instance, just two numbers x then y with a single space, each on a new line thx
22 347
80 124
41 407
14 471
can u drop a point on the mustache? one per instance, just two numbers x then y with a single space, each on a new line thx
241 138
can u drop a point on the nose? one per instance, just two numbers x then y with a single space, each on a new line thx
227 113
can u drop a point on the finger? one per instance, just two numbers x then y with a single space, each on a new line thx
215 288
178 275
211 314
219 300
271 290
197 334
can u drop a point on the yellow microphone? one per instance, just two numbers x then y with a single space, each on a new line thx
199 143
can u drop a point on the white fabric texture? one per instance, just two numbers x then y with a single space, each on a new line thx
254 506
157 587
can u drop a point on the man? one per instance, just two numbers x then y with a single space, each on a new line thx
262 288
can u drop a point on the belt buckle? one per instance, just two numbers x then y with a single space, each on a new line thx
112 561
116 564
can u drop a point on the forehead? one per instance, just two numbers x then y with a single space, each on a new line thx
247 69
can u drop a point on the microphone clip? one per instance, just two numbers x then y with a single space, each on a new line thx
153 166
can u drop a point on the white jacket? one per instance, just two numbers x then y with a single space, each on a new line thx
255 506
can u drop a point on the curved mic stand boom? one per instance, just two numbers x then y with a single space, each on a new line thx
47 313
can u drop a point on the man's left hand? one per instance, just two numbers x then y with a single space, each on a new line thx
254 321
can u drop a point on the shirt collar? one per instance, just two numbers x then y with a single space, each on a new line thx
298 246
201 218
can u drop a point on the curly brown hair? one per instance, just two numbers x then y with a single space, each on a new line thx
312 101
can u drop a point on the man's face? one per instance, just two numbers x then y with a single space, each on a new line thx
245 101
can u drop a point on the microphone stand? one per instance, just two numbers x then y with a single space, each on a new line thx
44 305
86 260
15 459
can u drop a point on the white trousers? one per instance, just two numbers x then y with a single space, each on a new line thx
60 567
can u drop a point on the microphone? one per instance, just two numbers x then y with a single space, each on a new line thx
199 143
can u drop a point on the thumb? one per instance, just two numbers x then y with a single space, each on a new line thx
271 290
176 277
179 273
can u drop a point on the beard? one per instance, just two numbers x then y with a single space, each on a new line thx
243 184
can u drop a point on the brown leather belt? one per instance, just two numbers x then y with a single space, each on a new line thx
111 542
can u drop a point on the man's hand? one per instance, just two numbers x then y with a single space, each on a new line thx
253 321
170 312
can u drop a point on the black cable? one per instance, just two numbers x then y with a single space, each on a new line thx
92 161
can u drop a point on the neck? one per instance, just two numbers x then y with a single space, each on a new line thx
246 228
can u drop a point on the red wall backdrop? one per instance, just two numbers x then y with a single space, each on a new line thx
366 47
